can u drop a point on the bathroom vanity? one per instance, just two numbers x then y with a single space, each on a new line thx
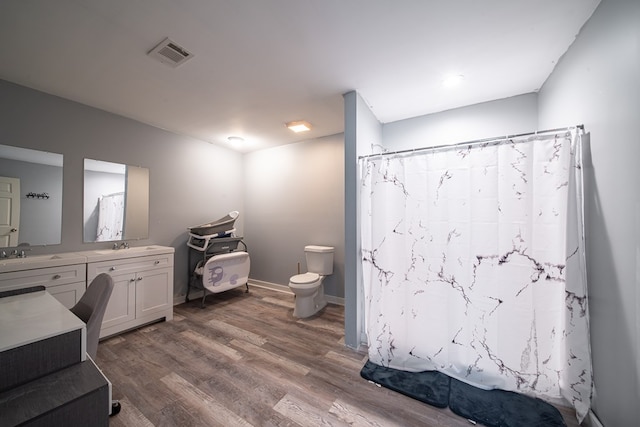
66 279
143 279
143 287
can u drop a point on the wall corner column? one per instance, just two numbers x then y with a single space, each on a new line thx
362 131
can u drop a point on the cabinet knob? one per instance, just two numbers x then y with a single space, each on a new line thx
56 276
132 280
112 268
139 278
157 262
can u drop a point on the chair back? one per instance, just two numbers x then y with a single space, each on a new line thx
91 307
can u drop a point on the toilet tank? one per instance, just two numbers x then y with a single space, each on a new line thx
319 259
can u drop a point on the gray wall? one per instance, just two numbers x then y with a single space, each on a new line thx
294 194
363 133
191 181
596 83
507 116
293 197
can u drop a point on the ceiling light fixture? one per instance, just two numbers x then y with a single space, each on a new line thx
235 139
299 126
452 80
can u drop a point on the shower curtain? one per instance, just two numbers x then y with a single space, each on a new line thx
473 264
110 217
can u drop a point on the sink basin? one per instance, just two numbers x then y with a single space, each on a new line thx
105 251
111 254
31 262
40 261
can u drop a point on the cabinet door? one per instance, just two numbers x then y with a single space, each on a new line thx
122 304
68 294
152 291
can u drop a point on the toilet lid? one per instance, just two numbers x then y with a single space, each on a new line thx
306 278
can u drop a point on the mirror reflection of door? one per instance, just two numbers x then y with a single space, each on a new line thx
9 211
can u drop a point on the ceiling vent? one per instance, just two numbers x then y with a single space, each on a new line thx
168 52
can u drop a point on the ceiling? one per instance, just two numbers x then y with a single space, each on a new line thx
258 64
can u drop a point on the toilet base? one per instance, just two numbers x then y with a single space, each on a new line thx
307 306
308 301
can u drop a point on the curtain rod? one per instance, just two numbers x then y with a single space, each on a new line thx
474 142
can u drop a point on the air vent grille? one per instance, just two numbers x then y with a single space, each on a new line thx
170 53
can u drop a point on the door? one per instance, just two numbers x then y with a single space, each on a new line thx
9 211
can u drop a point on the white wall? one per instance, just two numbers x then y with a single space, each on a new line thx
596 83
293 197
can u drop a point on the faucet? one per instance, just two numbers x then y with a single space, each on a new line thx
14 254
22 253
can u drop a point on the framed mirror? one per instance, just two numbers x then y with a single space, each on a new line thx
116 202
30 197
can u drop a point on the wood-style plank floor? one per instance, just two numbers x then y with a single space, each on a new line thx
244 360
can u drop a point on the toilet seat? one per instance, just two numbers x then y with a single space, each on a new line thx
304 279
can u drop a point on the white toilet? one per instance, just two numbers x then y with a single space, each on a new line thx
308 287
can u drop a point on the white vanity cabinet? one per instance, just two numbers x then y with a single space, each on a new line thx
143 290
143 279
66 283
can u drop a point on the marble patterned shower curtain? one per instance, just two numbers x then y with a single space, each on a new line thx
473 265
110 217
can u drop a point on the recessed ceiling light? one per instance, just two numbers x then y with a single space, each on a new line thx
452 80
299 126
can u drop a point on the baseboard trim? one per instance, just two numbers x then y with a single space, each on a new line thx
285 288
269 285
592 420
179 299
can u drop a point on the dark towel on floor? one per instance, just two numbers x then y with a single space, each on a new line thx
499 408
430 387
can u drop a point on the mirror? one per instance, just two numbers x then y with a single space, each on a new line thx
30 197
116 202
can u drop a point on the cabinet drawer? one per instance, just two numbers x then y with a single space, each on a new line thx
129 265
50 276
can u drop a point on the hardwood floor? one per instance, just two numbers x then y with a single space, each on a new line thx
244 360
